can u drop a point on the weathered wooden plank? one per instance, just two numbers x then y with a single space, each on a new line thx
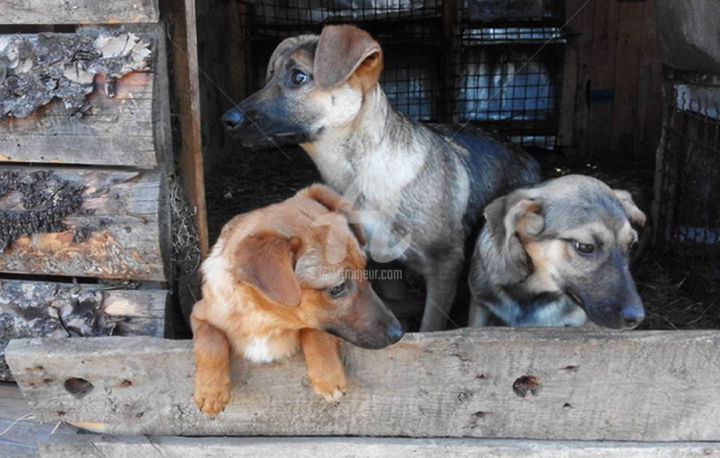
21 432
650 111
332 447
186 82
83 222
116 131
116 123
602 78
47 309
78 11
687 38
580 40
558 384
625 115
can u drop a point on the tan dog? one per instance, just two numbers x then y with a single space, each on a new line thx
556 254
283 277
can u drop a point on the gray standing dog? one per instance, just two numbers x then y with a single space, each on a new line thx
557 253
420 191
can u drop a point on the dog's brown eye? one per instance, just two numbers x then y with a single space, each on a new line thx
338 290
299 77
585 248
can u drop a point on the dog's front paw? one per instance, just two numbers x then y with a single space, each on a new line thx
211 402
212 399
332 389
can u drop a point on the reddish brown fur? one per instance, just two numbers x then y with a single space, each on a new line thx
254 302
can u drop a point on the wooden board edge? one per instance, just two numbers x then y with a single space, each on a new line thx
324 447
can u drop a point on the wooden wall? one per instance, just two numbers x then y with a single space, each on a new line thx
612 97
85 163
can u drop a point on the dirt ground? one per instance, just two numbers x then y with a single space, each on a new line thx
679 293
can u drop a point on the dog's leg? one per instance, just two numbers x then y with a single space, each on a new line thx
212 367
325 370
441 280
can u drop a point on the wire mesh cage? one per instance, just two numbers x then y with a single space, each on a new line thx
687 186
286 13
510 79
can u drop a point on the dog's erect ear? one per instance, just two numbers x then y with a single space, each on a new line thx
336 203
510 220
635 215
267 261
343 51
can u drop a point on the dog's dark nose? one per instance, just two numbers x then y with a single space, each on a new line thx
632 316
395 331
232 119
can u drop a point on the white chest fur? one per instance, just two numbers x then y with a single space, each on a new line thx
267 349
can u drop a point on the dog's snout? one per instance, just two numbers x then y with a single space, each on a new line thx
233 119
395 332
632 316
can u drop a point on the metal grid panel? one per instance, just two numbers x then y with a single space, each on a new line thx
689 171
509 79
283 12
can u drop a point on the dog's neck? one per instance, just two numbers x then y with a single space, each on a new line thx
342 154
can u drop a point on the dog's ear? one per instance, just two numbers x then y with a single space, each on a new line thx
336 203
635 215
510 220
344 51
267 261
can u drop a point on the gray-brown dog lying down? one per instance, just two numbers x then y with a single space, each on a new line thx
420 191
555 254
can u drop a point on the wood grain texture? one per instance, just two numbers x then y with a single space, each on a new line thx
186 84
574 123
22 438
630 41
325 447
651 386
116 131
602 76
611 48
77 11
124 122
114 234
47 309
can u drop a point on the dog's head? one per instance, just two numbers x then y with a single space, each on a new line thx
572 235
314 83
303 261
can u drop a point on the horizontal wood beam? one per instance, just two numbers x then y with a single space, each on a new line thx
328 447
78 11
48 309
111 120
110 223
558 384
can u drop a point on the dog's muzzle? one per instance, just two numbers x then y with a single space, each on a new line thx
233 119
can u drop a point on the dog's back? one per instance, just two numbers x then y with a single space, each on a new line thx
496 167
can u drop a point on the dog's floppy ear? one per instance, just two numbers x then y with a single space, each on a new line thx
343 51
635 215
509 220
336 203
267 261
